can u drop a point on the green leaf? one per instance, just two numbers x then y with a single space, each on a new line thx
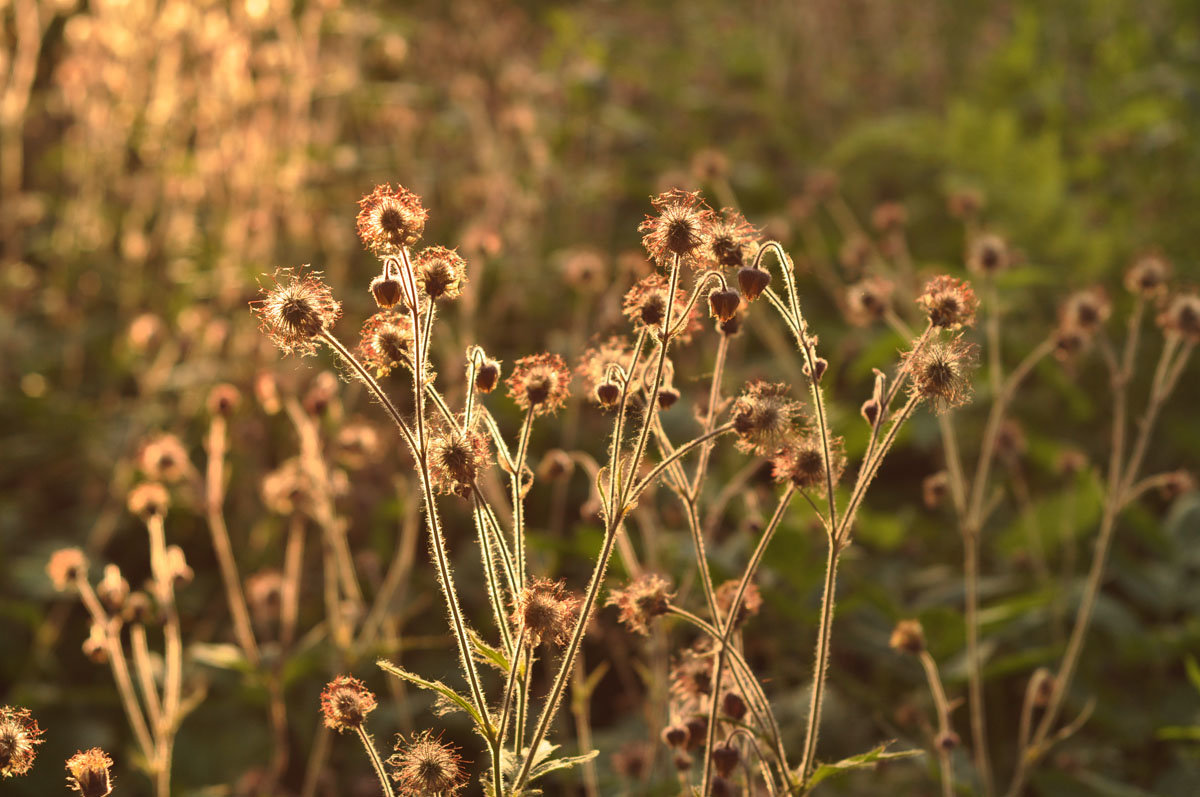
487 654
222 656
450 697
1193 671
1179 733
859 761
543 763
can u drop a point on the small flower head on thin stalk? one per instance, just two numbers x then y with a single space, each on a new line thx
940 372
19 738
295 309
345 703
908 637
645 598
176 566
547 611
390 220
801 462
1070 343
868 300
223 400
889 217
763 417
934 489
725 758
752 281
164 458
113 589
425 765
733 705
681 227
1086 311
731 239
950 303
597 367
456 457
148 500
540 383
751 600
386 288
988 255
65 566
1182 317
88 773
288 488
645 305
674 736
1148 276
440 272
95 647
386 342
487 375
1175 484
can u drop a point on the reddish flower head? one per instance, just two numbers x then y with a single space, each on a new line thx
89 773
440 272
763 417
950 303
390 220
681 227
386 342
345 703
546 611
641 601
540 383
427 765
19 737
941 372
645 305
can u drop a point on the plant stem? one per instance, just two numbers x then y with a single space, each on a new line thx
376 764
943 712
821 660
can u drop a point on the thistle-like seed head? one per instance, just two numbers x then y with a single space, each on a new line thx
730 239
390 220
440 272
547 611
88 773
801 461
763 417
540 383
1086 310
345 703
643 599
149 499
456 457
386 342
19 738
425 764
645 305
908 637
681 227
941 371
295 309
950 303
1148 275
1182 317
868 300
988 255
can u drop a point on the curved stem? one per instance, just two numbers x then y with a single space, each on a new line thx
376 764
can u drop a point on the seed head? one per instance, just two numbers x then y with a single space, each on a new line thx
149 499
456 457
345 703
889 217
950 303
547 611
177 567
908 637
645 598
645 305
752 281
988 255
598 366
751 601
801 461
691 674
540 383
386 342
733 706
264 594
681 227
295 308
1148 275
724 303
763 417
1175 484
1182 317
487 375
288 488
113 589
965 203
138 609
88 773
223 399
868 300
934 489
710 164
390 220
948 740
1086 311
730 239
66 565
941 372
164 458
441 272
425 764
586 269
674 736
19 737
1070 342
667 397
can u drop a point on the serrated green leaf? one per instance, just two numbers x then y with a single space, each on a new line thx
486 654
452 697
857 762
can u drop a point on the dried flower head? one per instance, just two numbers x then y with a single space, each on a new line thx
598 366
88 773
645 305
724 303
751 600
988 255
732 705
950 303
941 371
725 758
908 637
113 589
295 309
556 465
868 300
19 737
1070 342
801 462
1182 317
934 489
223 399
730 239
386 342
288 488
456 457
680 229
390 220
487 375
965 203
440 272
149 499
752 281
710 164
264 594
138 608
1148 275
357 445
425 765
540 383
633 760
65 566
546 611
1086 310
95 647
889 217
691 674
646 597
674 736
585 269
164 458
345 703
176 566
763 417
386 289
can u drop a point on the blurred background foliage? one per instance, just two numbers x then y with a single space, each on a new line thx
159 154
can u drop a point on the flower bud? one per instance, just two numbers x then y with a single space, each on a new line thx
725 759
608 394
724 303
752 282
487 376
386 291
